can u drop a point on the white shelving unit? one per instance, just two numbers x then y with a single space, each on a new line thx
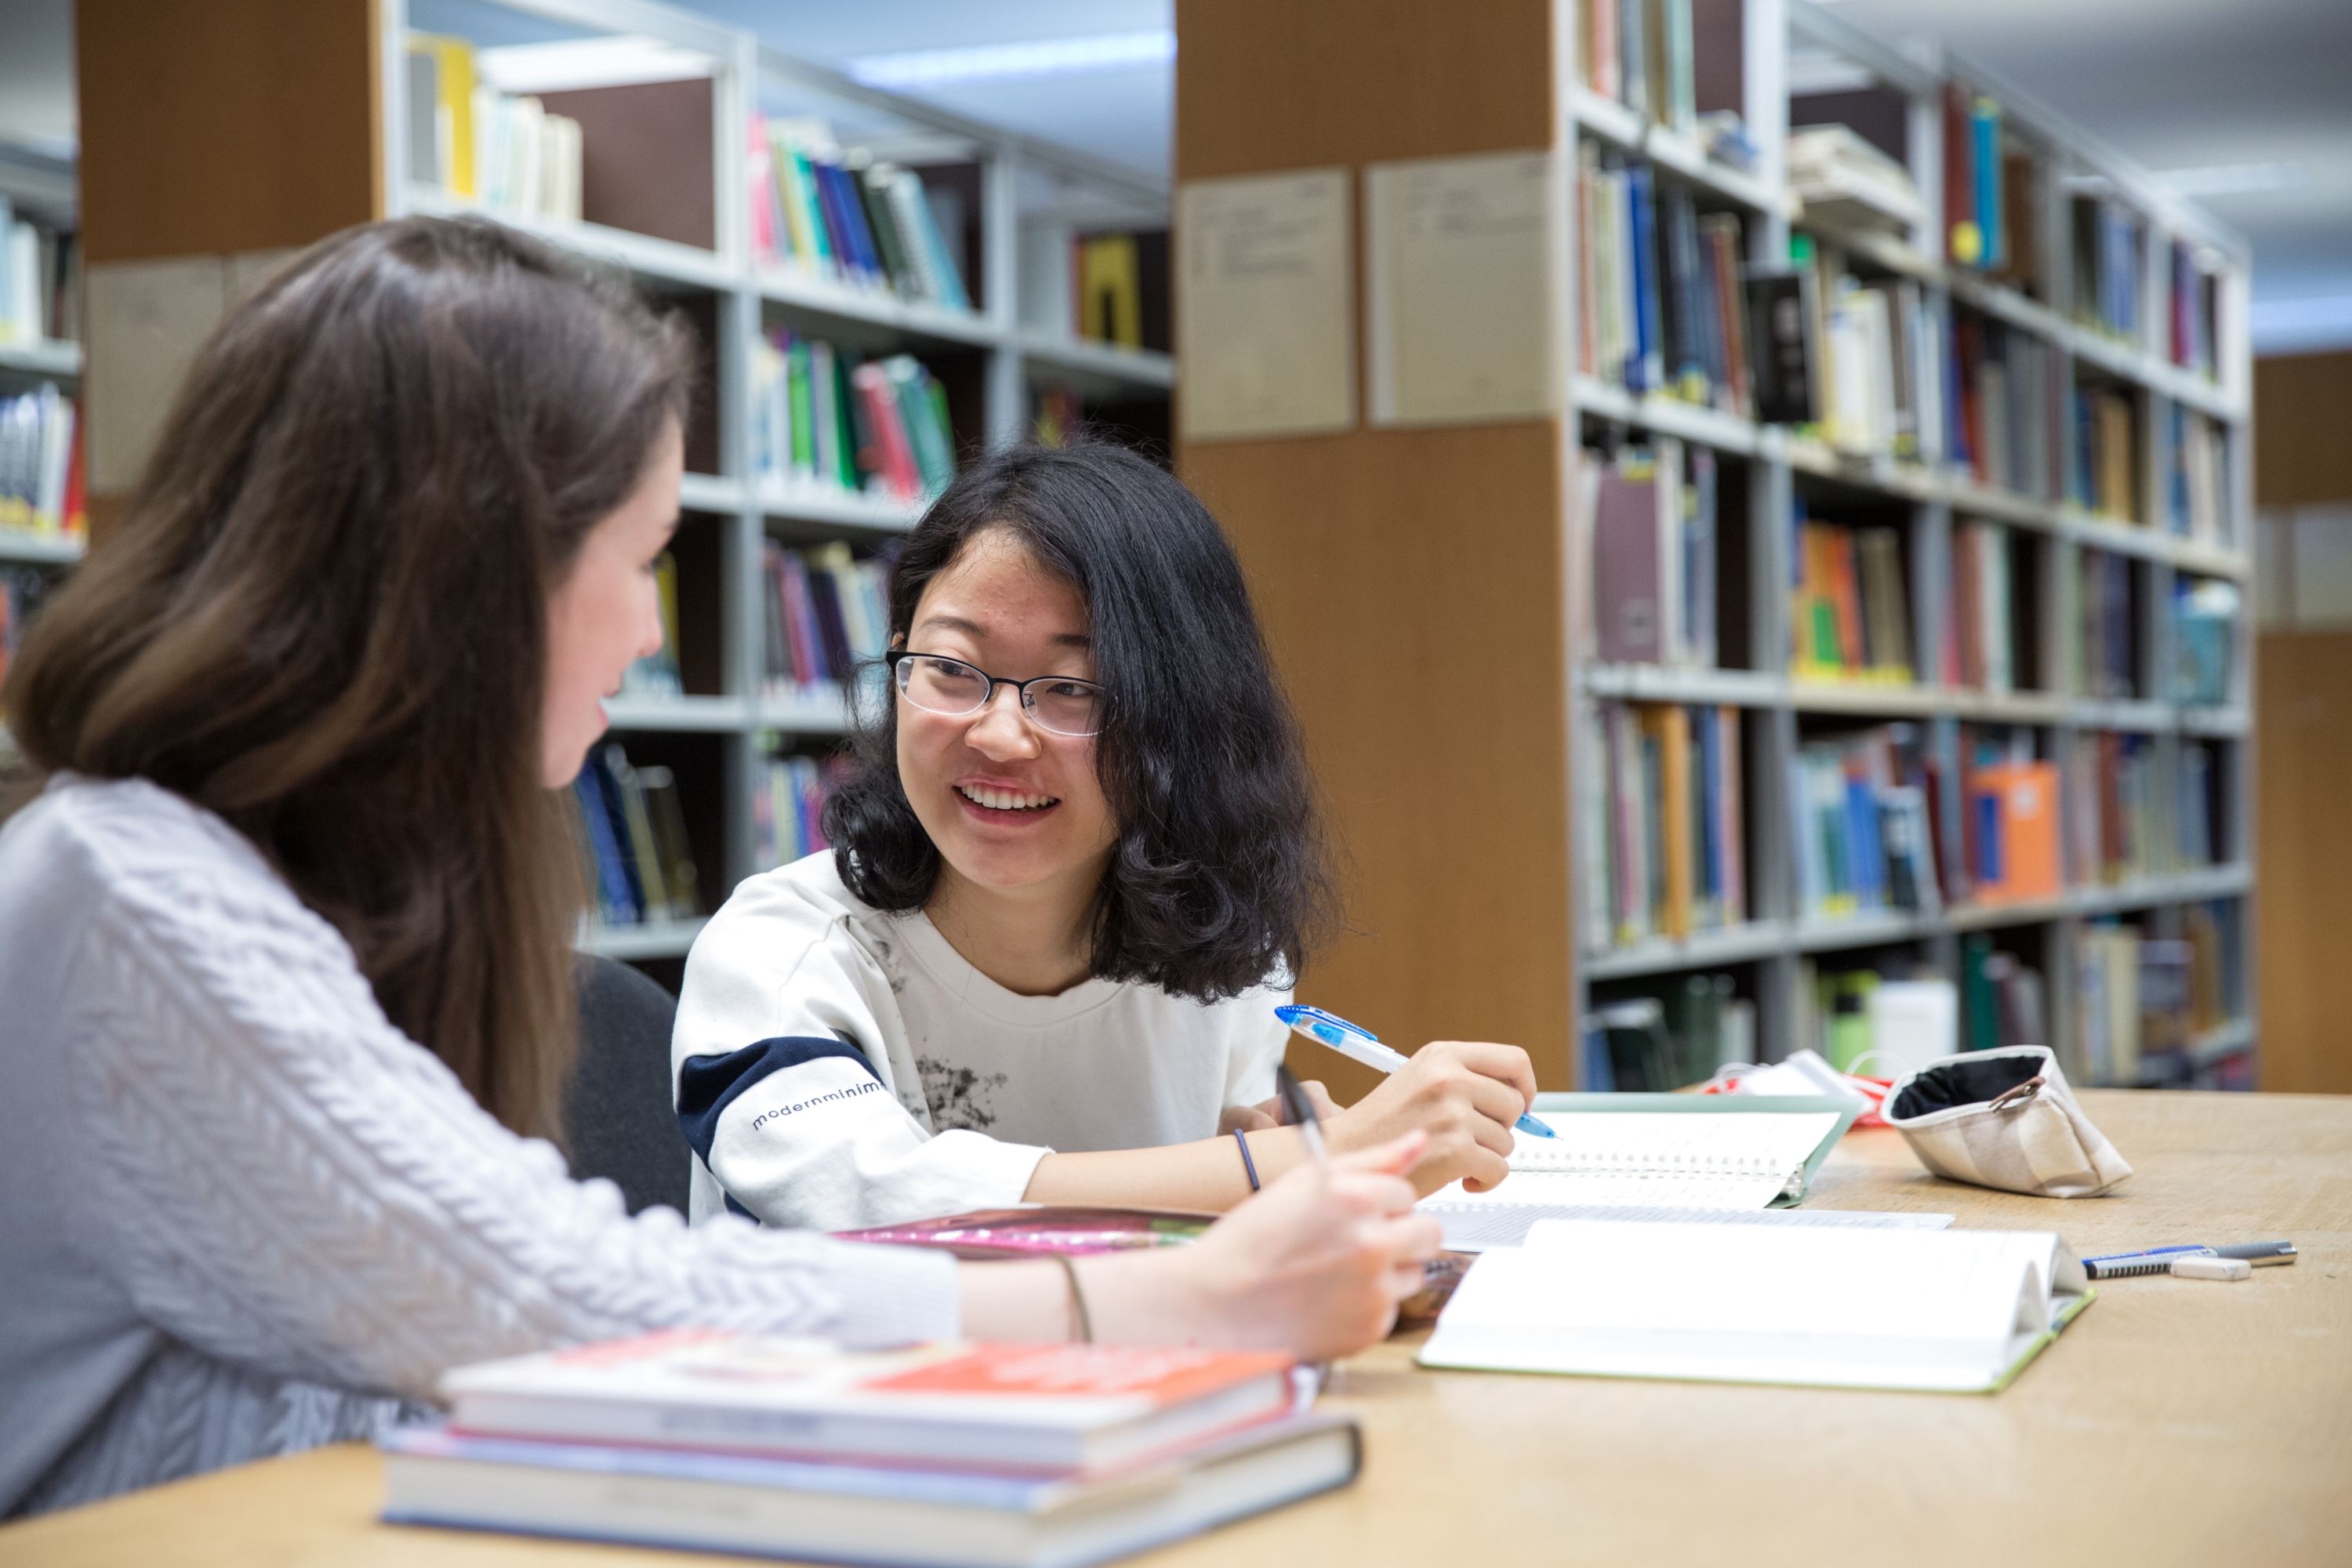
1026 188
1926 497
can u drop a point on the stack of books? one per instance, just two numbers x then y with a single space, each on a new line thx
41 464
947 1453
2106 453
788 808
2114 808
1666 833
823 617
2197 492
1840 175
1993 195
844 216
2001 415
828 422
1663 305
1642 53
1653 523
2106 651
504 150
1980 629
633 841
2195 297
2110 242
1863 822
40 279
1850 618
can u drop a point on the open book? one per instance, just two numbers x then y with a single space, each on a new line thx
1939 1310
1646 1151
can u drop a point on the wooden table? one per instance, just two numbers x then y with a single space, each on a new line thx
2176 1422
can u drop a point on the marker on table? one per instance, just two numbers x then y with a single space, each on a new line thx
2158 1259
1361 1045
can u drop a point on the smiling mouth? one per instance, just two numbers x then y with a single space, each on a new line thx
1010 802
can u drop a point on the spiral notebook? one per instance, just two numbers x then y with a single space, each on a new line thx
1647 1151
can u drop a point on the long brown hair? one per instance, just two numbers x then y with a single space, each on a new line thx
324 617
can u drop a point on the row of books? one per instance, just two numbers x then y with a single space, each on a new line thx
1680 1036
657 673
1979 649
2110 252
2001 412
842 215
1849 615
950 1454
22 589
1120 289
1663 305
2106 453
504 151
41 480
1993 195
2196 300
827 420
2009 828
633 848
825 615
1666 833
1879 368
40 279
1643 54
788 808
2139 996
2129 817
2106 656
1862 814
1654 516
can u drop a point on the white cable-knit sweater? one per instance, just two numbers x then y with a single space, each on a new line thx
241 1214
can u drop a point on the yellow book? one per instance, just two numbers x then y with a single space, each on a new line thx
1110 291
1672 727
452 61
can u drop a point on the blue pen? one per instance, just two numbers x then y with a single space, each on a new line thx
1359 1044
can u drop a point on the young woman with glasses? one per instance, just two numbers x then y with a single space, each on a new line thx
1074 868
286 913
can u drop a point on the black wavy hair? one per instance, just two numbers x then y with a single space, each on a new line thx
1219 879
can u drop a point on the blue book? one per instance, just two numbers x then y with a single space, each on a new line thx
1646 370
1985 128
1863 852
1711 807
1987 805
615 896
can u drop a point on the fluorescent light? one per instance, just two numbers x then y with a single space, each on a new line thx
620 60
916 68
2234 179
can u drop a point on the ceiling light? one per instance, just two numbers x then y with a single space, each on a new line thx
913 69
2234 179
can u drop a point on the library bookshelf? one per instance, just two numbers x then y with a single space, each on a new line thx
1008 207
2101 286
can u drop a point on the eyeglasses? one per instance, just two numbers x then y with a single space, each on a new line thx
950 687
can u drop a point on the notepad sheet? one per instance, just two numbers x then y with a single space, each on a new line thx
1475 1229
1640 1159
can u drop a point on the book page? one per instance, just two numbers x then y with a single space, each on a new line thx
1475 1229
1267 314
1655 1159
1463 268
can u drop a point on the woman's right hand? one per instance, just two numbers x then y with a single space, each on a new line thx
1314 1265
1464 1094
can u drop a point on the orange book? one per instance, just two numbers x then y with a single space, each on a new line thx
1672 727
2018 801
1847 587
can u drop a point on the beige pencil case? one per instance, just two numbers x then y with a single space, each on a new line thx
2004 1119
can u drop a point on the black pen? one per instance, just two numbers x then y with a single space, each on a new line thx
1300 1108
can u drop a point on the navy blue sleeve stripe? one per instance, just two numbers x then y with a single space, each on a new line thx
706 1086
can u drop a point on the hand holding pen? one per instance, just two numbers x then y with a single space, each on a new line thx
1466 1095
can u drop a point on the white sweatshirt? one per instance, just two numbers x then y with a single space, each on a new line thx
238 1208
838 1067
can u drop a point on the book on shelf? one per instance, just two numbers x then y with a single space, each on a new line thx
2106 453
2009 816
1878 364
1119 289
40 278
827 420
1980 626
2116 809
1654 519
2205 613
504 151
1978 168
2195 304
636 856
41 474
2198 487
1662 305
824 616
1664 832
788 808
2003 406
1862 820
2097 604
955 1453
1686 1028
842 215
2110 249
657 673
1840 176
1849 613
1643 54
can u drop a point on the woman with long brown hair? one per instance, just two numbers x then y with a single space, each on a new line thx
285 978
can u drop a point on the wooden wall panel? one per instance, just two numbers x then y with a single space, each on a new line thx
2303 429
232 125
1411 581
2303 878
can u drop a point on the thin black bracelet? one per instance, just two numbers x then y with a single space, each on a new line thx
1077 1298
1248 1164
